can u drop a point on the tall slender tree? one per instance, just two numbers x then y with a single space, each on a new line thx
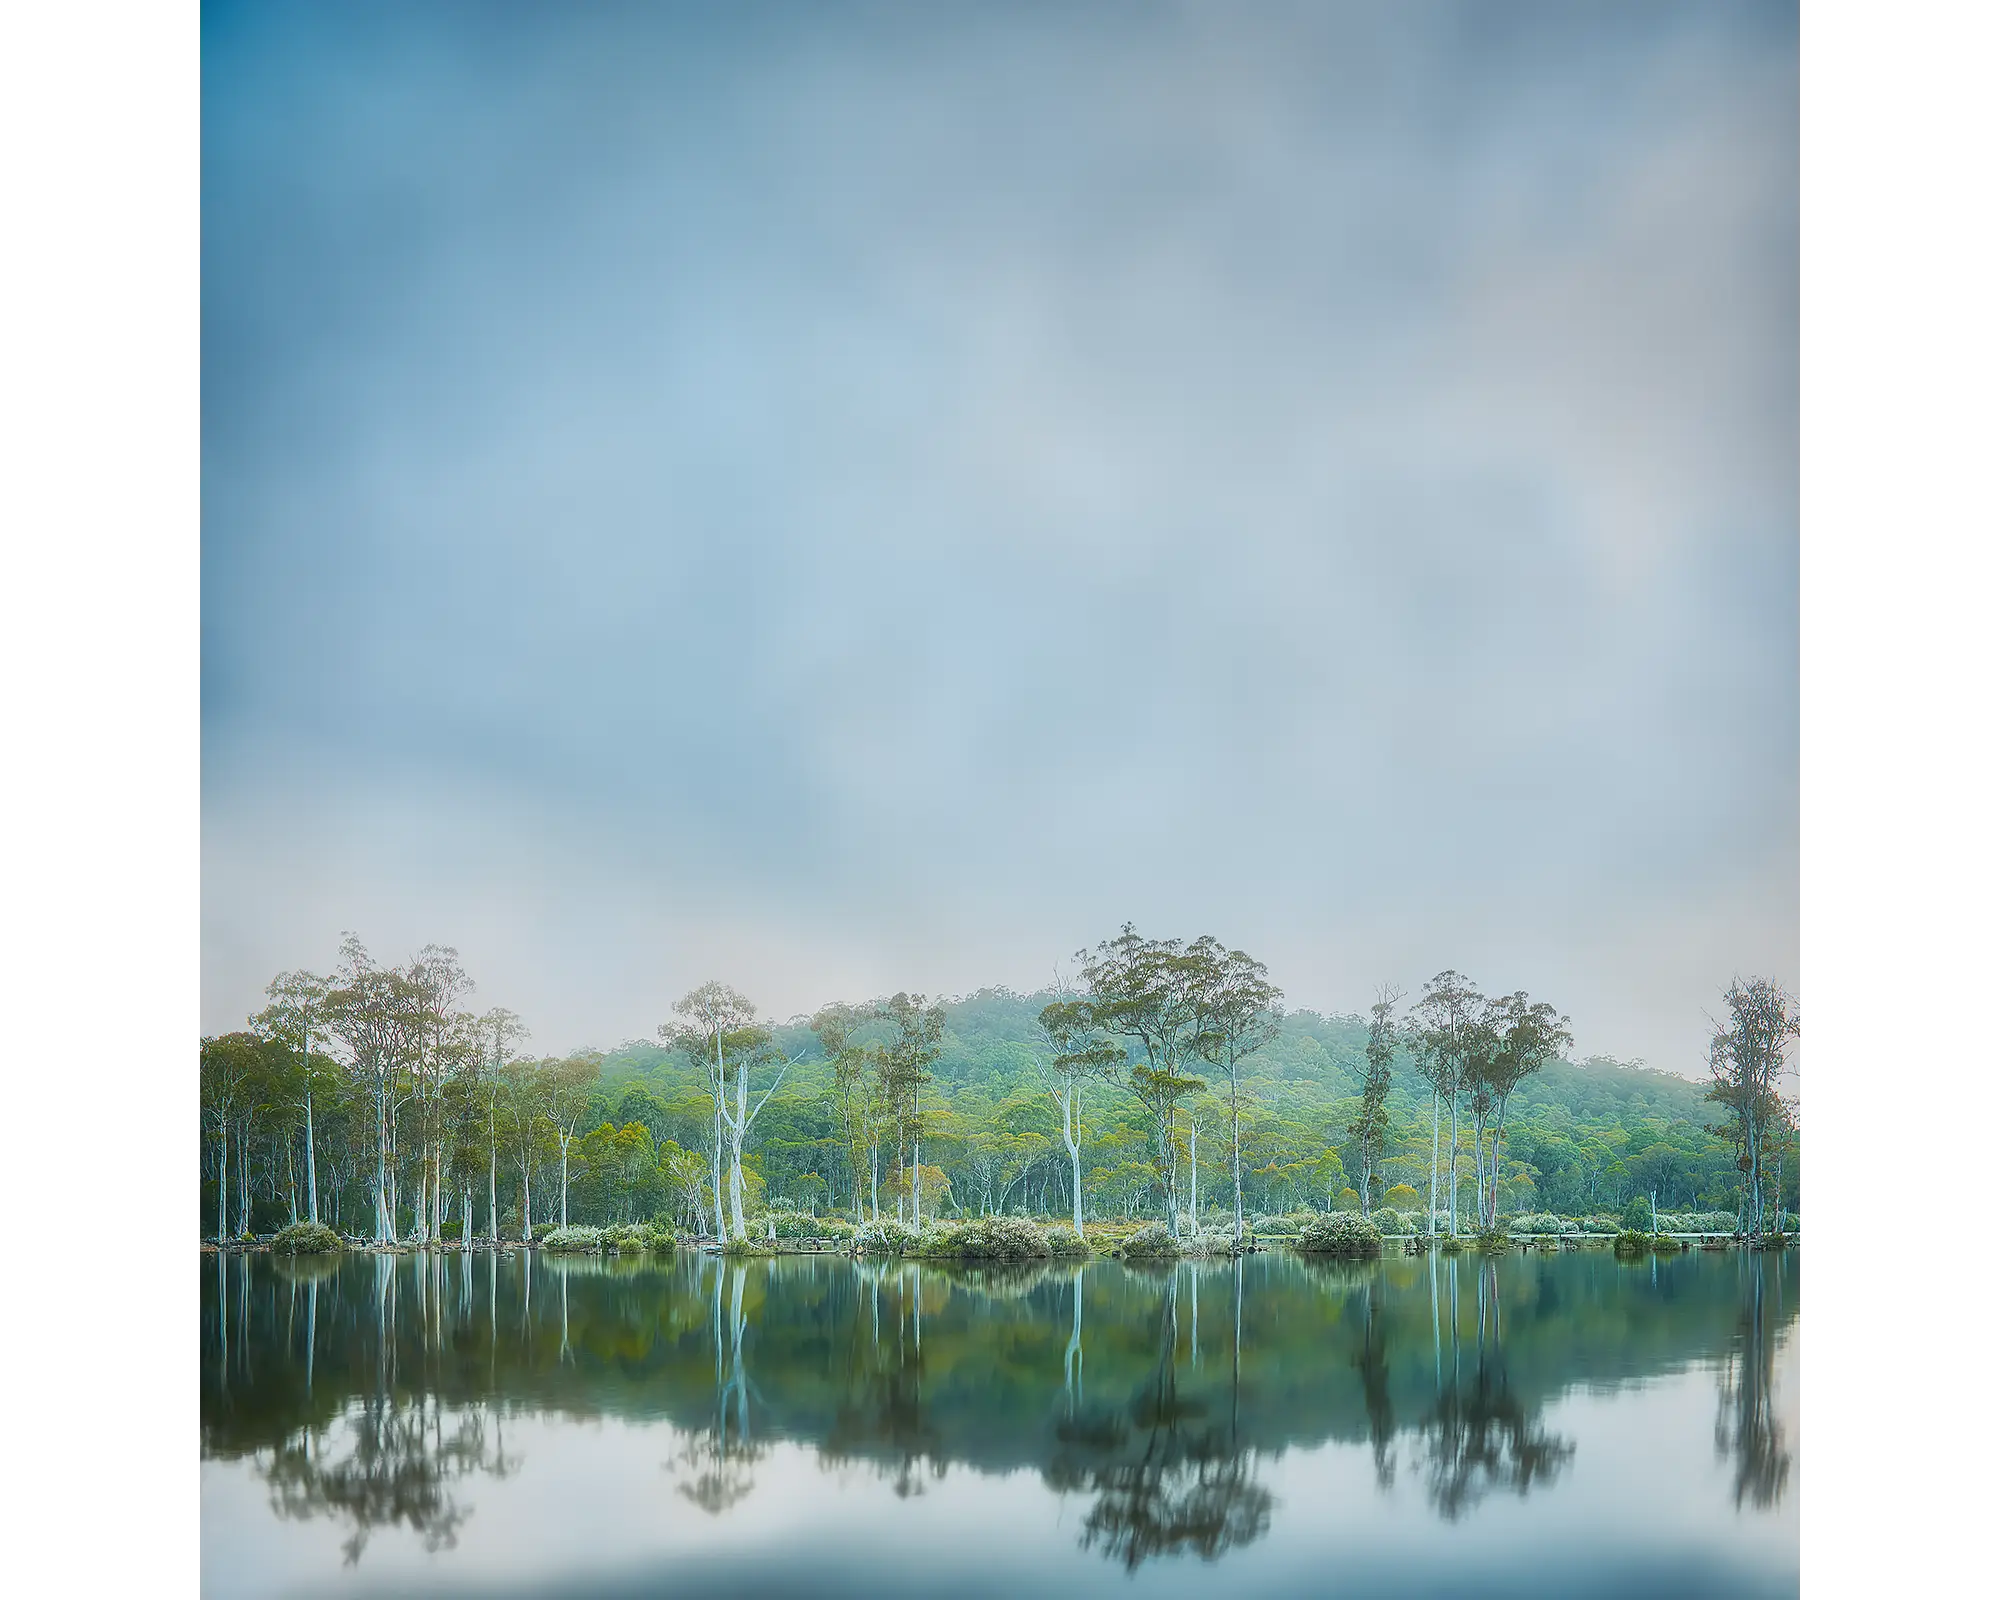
1243 1012
1158 996
1443 1022
709 1016
1370 1127
1747 1056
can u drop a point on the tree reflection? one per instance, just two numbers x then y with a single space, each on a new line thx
1747 1431
881 1416
1478 1436
1167 1481
387 1463
717 1460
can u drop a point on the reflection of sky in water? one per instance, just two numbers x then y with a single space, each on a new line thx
1644 1503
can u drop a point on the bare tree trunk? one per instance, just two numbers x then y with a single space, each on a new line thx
1236 1151
1454 1165
312 1172
1431 1221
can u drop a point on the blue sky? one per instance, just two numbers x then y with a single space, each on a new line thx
844 498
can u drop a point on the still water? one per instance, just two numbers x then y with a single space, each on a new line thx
1552 1426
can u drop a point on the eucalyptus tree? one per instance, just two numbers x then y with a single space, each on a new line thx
835 1026
294 1016
526 1128
505 1030
1747 1056
443 1044
748 1049
1244 1011
1527 1035
230 1065
1442 1025
370 1009
709 1015
1158 995
1077 1053
562 1097
1370 1127
903 1068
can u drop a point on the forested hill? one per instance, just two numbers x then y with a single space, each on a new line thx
1580 1135
992 1037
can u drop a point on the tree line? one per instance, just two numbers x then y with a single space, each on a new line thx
377 1099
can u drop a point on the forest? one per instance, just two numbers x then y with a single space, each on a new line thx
1170 1081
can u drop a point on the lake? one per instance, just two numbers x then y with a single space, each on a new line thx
527 1425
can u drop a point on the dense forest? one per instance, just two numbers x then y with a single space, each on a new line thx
1171 1082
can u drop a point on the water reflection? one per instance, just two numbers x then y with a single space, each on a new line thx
378 1392
1748 1433
1478 1435
1167 1477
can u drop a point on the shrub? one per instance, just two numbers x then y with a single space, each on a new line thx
631 1236
1210 1242
1492 1242
885 1238
1065 1245
1344 1233
989 1239
1449 1244
1537 1222
572 1240
1151 1241
306 1239
1279 1227
1632 1242
746 1246
1597 1227
1388 1221
1638 1214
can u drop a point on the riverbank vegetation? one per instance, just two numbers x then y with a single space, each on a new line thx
1166 1085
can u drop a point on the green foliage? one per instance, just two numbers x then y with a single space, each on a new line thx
306 1239
885 1238
988 1239
1152 1242
1492 1242
1343 1233
1064 1245
575 1240
1632 1242
1391 1221
1637 1215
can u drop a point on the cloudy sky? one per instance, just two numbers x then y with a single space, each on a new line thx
846 497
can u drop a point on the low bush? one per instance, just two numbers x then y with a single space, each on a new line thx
572 1240
306 1239
1151 1242
631 1236
1344 1233
988 1239
1449 1244
885 1238
1210 1242
1492 1242
1280 1227
1598 1227
1387 1221
1536 1222
1065 1245
1632 1242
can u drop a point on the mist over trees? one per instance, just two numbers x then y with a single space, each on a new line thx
1166 1078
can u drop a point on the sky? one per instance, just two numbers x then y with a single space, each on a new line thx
843 498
